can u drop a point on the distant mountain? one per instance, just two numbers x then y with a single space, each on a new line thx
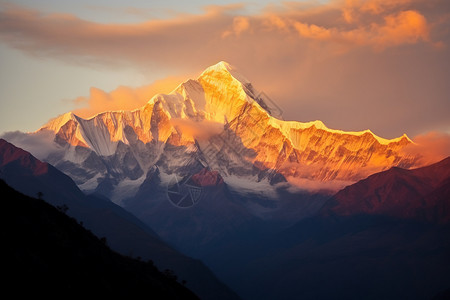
48 254
222 121
385 237
123 231
421 194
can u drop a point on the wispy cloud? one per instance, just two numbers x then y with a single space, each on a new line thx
200 130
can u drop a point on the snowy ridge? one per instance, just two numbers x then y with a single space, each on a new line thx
287 126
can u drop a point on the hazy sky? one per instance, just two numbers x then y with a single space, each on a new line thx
355 64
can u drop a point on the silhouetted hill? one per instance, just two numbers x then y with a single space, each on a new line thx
124 232
50 254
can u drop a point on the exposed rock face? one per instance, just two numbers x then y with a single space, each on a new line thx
220 120
207 178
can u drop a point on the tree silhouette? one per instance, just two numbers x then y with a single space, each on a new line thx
63 208
170 274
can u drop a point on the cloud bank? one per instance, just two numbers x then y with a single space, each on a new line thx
40 143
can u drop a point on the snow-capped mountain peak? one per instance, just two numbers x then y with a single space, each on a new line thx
224 67
220 119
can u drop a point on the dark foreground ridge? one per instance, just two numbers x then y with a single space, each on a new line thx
124 233
49 254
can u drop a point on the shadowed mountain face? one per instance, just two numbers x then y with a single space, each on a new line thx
124 232
50 255
201 215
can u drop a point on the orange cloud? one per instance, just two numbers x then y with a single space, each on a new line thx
379 6
313 31
353 10
123 98
274 21
432 147
240 25
406 27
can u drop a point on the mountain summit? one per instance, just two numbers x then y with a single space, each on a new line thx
221 121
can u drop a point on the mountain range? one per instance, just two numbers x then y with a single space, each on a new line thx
277 209
222 121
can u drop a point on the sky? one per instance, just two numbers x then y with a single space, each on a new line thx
382 65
